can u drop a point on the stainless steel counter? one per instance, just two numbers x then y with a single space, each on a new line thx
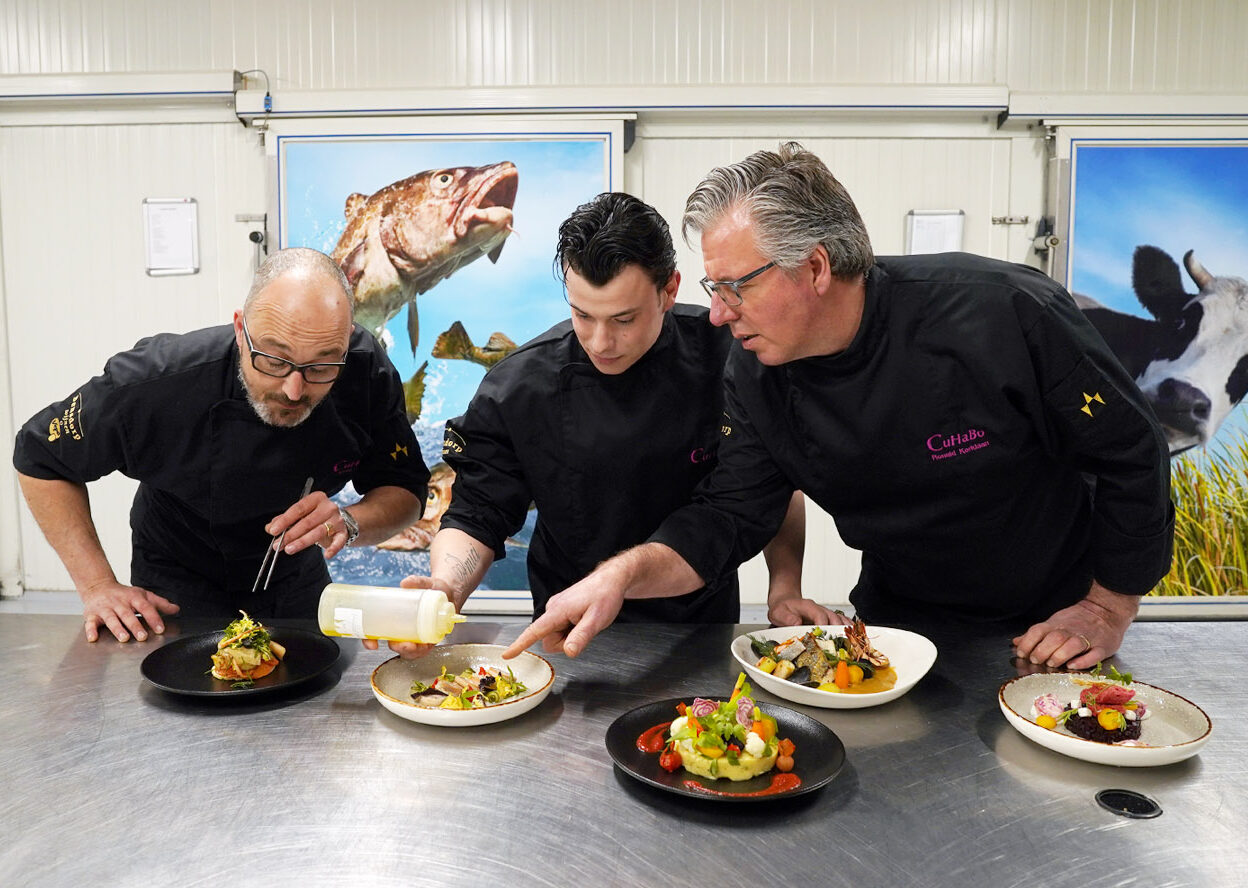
109 781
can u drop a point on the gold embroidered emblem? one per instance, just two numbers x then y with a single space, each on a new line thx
398 448
1087 402
452 442
54 430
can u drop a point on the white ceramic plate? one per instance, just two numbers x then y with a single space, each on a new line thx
1174 729
909 653
392 683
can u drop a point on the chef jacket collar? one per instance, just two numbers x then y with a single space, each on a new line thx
666 334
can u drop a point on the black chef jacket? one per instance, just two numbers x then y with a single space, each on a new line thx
173 414
605 458
977 441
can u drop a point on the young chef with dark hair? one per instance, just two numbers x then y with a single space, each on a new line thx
221 427
607 422
965 426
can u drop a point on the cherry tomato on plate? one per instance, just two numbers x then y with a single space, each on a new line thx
669 759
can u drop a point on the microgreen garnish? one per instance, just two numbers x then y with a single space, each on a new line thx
1123 678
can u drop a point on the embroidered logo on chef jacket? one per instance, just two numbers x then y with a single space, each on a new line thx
398 448
1088 401
950 445
68 423
701 454
726 428
452 442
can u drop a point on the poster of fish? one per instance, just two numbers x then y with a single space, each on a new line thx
1158 260
448 243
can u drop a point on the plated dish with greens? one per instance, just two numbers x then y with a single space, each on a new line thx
1105 717
462 685
835 667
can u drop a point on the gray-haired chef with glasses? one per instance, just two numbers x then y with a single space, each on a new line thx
223 428
965 426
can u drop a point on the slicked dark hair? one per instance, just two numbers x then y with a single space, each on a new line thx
611 231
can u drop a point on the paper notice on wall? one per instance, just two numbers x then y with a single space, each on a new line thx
934 231
171 235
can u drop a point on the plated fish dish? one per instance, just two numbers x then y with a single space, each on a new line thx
837 664
1105 711
245 653
486 686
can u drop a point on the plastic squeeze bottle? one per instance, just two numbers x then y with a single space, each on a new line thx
423 616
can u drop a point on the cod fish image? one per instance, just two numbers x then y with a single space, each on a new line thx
456 344
414 393
437 500
401 241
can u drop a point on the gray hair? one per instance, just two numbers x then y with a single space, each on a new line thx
298 259
794 203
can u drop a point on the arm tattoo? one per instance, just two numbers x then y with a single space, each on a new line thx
464 568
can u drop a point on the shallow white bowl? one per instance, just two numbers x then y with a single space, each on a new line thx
392 683
1175 728
909 653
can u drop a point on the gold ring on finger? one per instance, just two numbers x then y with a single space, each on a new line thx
1087 645
329 532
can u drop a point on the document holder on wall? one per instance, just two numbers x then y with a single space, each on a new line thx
171 235
934 231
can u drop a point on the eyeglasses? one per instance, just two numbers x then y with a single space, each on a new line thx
729 292
271 365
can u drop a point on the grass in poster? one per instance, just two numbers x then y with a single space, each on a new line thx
1210 493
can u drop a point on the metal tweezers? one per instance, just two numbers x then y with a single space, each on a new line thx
275 547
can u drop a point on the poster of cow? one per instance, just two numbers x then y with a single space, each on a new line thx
447 242
1158 259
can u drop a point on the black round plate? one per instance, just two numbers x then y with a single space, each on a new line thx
182 666
819 757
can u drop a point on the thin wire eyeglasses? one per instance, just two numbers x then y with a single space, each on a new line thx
723 289
272 365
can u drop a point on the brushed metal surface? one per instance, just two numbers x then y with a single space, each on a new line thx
110 781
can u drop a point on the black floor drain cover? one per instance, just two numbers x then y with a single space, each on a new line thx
1128 803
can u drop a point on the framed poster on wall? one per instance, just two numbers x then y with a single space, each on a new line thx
1157 258
447 230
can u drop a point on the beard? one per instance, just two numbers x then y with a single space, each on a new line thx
266 406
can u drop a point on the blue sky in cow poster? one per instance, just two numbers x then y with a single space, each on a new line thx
517 295
1176 197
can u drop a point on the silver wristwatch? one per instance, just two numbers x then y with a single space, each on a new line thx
350 525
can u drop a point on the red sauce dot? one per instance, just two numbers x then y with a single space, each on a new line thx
779 783
651 739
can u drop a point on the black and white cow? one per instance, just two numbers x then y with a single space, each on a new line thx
1191 359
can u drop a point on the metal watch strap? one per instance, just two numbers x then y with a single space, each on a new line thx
350 525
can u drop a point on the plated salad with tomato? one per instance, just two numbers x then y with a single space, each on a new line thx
732 739
470 689
1105 711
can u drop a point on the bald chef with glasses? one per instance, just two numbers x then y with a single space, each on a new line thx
222 427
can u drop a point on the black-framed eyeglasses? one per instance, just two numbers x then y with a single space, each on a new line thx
729 292
272 365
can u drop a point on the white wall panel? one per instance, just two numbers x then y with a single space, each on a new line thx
1030 45
74 281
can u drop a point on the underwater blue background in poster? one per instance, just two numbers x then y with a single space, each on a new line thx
518 296
1177 197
